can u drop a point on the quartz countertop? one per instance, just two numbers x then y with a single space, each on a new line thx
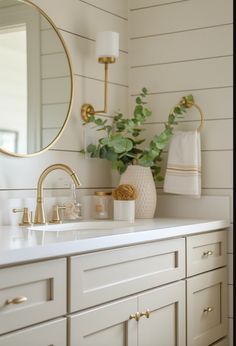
20 245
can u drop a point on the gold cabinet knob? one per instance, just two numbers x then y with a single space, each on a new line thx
18 300
207 253
208 309
146 313
135 316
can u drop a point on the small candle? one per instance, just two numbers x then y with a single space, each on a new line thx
107 44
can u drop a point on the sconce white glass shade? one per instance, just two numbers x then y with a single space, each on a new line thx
107 44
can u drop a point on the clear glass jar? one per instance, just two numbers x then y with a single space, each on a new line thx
101 205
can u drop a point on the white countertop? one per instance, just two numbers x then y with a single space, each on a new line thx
18 244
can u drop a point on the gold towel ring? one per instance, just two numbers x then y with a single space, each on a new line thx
189 104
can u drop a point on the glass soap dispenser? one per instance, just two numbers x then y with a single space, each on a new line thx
101 205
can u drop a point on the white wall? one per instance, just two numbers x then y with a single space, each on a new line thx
78 22
178 48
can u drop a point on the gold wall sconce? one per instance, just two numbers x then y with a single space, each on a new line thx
107 51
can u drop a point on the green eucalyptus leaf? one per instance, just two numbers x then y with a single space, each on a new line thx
145 91
147 112
139 100
91 148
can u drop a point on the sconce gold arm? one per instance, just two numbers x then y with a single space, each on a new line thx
87 109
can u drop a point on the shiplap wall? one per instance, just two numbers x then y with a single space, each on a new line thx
78 22
182 47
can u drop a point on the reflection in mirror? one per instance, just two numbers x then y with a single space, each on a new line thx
35 79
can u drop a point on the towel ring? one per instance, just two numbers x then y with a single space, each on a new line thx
189 104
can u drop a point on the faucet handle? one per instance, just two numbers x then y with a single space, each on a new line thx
55 214
26 219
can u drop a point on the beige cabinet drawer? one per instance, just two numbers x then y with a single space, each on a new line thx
206 252
103 276
46 334
43 284
207 308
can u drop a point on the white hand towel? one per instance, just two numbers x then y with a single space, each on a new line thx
183 173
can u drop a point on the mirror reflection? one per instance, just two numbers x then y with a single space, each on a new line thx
35 79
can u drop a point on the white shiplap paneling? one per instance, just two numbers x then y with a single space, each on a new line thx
215 103
82 19
182 46
183 76
179 16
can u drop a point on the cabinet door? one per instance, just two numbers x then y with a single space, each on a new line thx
45 334
166 323
105 326
207 307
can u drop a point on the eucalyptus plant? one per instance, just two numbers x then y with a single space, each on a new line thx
122 141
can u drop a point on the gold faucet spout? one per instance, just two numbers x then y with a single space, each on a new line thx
39 212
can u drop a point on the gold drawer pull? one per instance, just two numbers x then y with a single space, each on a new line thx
18 300
208 309
207 253
146 314
135 316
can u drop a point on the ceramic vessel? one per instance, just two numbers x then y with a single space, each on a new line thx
142 179
124 210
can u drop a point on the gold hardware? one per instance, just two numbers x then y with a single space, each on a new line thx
55 214
26 219
87 109
71 73
39 217
208 309
107 60
135 316
189 104
102 193
18 300
207 253
146 313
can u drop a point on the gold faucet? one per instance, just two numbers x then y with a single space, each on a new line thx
39 217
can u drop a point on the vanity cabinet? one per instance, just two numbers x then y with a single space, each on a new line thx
165 293
46 334
156 317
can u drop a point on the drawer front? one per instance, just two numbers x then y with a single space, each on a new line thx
43 284
207 308
206 252
45 334
107 275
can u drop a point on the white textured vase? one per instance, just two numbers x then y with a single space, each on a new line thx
141 178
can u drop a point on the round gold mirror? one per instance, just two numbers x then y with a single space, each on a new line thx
36 80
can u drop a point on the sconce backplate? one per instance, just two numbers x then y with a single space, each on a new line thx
86 111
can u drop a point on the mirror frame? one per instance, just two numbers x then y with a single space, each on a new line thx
9 153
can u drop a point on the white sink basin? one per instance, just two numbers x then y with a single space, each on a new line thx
71 231
82 226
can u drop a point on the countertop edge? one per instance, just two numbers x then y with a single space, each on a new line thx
82 246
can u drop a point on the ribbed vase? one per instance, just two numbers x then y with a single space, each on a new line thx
141 178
